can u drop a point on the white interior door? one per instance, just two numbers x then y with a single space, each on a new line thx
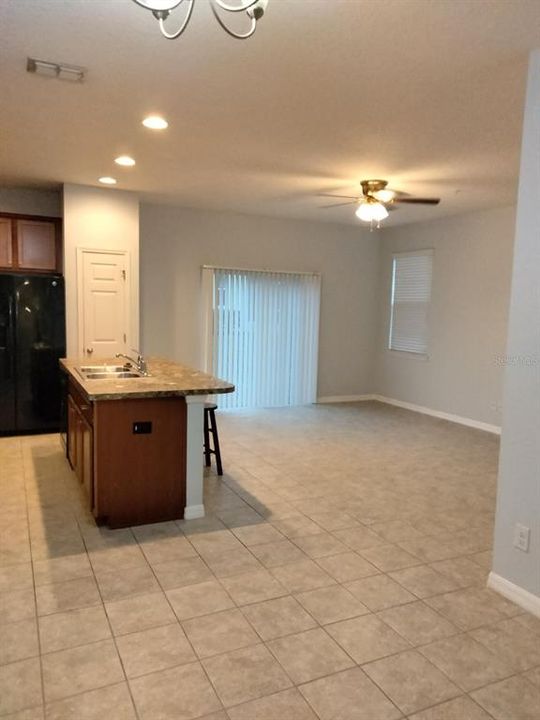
105 302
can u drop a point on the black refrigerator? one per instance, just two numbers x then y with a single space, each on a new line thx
32 339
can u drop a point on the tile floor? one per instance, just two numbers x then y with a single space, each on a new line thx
340 574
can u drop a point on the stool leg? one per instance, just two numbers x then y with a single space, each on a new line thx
207 459
215 436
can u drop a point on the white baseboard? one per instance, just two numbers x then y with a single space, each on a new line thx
515 593
192 512
469 422
343 398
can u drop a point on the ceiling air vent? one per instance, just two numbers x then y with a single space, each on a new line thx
60 71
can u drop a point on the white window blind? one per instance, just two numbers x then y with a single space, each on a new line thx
263 336
411 297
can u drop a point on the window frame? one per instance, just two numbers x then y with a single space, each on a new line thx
423 252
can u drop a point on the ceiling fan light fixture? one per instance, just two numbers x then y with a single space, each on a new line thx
371 211
384 196
378 212
363 212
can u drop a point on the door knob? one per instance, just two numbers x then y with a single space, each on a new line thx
89 350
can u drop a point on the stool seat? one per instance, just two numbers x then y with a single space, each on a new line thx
210 428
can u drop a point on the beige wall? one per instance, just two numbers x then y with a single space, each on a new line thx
176 242
101 220
518 499
468 321
473 257
26 201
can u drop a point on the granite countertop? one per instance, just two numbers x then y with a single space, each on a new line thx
166 379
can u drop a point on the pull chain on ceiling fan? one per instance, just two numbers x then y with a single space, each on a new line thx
376 200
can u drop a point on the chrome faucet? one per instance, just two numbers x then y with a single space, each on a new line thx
140 362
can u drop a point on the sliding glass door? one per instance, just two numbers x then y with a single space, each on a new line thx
263 336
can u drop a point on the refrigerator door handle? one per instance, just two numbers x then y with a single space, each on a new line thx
11 337
7 342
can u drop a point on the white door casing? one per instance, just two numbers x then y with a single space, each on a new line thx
103 302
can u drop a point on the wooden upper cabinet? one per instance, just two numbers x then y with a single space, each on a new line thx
36 245
6 244
30 243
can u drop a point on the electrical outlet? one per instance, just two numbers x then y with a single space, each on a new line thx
521 537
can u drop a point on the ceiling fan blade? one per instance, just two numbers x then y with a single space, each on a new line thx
350 197
341 204
417 201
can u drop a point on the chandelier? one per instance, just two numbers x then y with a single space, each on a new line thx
161 9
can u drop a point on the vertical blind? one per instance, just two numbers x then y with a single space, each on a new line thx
411 297
263 333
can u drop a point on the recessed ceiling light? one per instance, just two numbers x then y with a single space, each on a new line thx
125 161
107 180
155 122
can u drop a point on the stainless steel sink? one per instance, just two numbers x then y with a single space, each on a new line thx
111 375
105 368
108 372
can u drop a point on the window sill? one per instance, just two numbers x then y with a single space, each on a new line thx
419 357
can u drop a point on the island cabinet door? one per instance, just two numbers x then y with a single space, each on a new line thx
81 441
140 460
73 417
79 445
87 459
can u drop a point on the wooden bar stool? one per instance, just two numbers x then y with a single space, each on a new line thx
210 428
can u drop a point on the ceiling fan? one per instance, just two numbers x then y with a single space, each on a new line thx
376 200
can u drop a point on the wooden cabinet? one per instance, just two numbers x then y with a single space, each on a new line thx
36 245
81 441
72 432
78 446
130 456
6 242
86 475
140 460
30 243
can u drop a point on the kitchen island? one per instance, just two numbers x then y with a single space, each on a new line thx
135 443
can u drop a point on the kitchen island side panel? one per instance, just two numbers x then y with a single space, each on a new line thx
139 460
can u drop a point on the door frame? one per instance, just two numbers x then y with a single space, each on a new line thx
81 252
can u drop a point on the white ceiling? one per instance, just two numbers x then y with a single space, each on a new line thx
425 93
